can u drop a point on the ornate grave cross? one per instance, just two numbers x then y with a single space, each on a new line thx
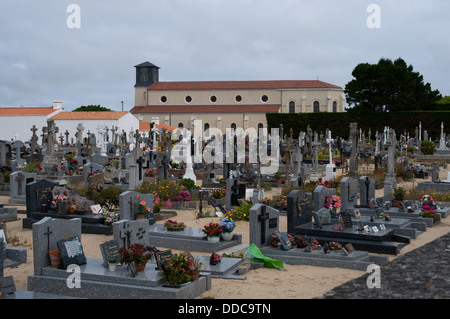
67 137
114 135
126 235
107 134
262 219
137 136
61 139
88 137
19 179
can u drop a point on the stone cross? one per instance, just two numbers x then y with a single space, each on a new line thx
79 134
34 139
67 137
61 139
50 130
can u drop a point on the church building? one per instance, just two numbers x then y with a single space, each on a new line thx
224 104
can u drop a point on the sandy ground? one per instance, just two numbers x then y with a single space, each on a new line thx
295 282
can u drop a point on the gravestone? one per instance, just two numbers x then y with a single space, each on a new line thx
38 193
285 241
324 215
99 159
263 223
319 195
17 182
47 233
127 232
128 201
299 209
366 190
349 191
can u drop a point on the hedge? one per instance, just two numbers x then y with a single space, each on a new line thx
339 123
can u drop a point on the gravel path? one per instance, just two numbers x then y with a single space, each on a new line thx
423 273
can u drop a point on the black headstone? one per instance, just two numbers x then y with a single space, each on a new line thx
110 249
71 251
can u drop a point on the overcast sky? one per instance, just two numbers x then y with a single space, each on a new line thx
43 59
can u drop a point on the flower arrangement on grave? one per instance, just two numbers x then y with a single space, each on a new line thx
143 209
387 217
429 212
218 193
212 230
158 203
333 203
315 245
183 196
181 268
280 202
214 259
301 242
57 200
80 170
173 225
136 253
110 217
334 245
427 200
227 224
150 173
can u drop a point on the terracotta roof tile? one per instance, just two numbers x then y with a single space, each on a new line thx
106 115
143 126
226 85
266 108
26 111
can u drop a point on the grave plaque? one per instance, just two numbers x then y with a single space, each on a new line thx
162 257
109 249
347 220
71 251
285 242
317 220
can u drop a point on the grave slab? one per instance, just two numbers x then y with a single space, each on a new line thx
191 239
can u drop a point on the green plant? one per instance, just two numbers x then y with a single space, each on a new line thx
109 197
112 260
427 148
181 268
277 176
32 167
188 183
6 177
399 193
241 212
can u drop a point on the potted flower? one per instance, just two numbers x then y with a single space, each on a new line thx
315 245
228 226
215 259
277 177
173 225
429 212
399 196
150 173
137 254
112 263
142 210
55 258
181 269
213 231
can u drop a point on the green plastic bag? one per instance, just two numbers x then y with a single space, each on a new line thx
254 254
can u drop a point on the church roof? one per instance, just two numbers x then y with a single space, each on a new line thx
26 111
146 63
227 85
94 115
266 108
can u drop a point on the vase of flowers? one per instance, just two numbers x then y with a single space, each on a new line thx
334 245
137 254
142 210
333 203
60 203
173 225
109 217
213 231
181 269
228 226
301 242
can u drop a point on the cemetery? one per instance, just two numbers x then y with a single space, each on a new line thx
332 203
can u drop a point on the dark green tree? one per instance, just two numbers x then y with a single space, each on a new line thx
389 86
92 108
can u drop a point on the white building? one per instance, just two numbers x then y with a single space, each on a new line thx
16 122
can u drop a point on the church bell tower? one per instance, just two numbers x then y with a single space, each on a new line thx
146 75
